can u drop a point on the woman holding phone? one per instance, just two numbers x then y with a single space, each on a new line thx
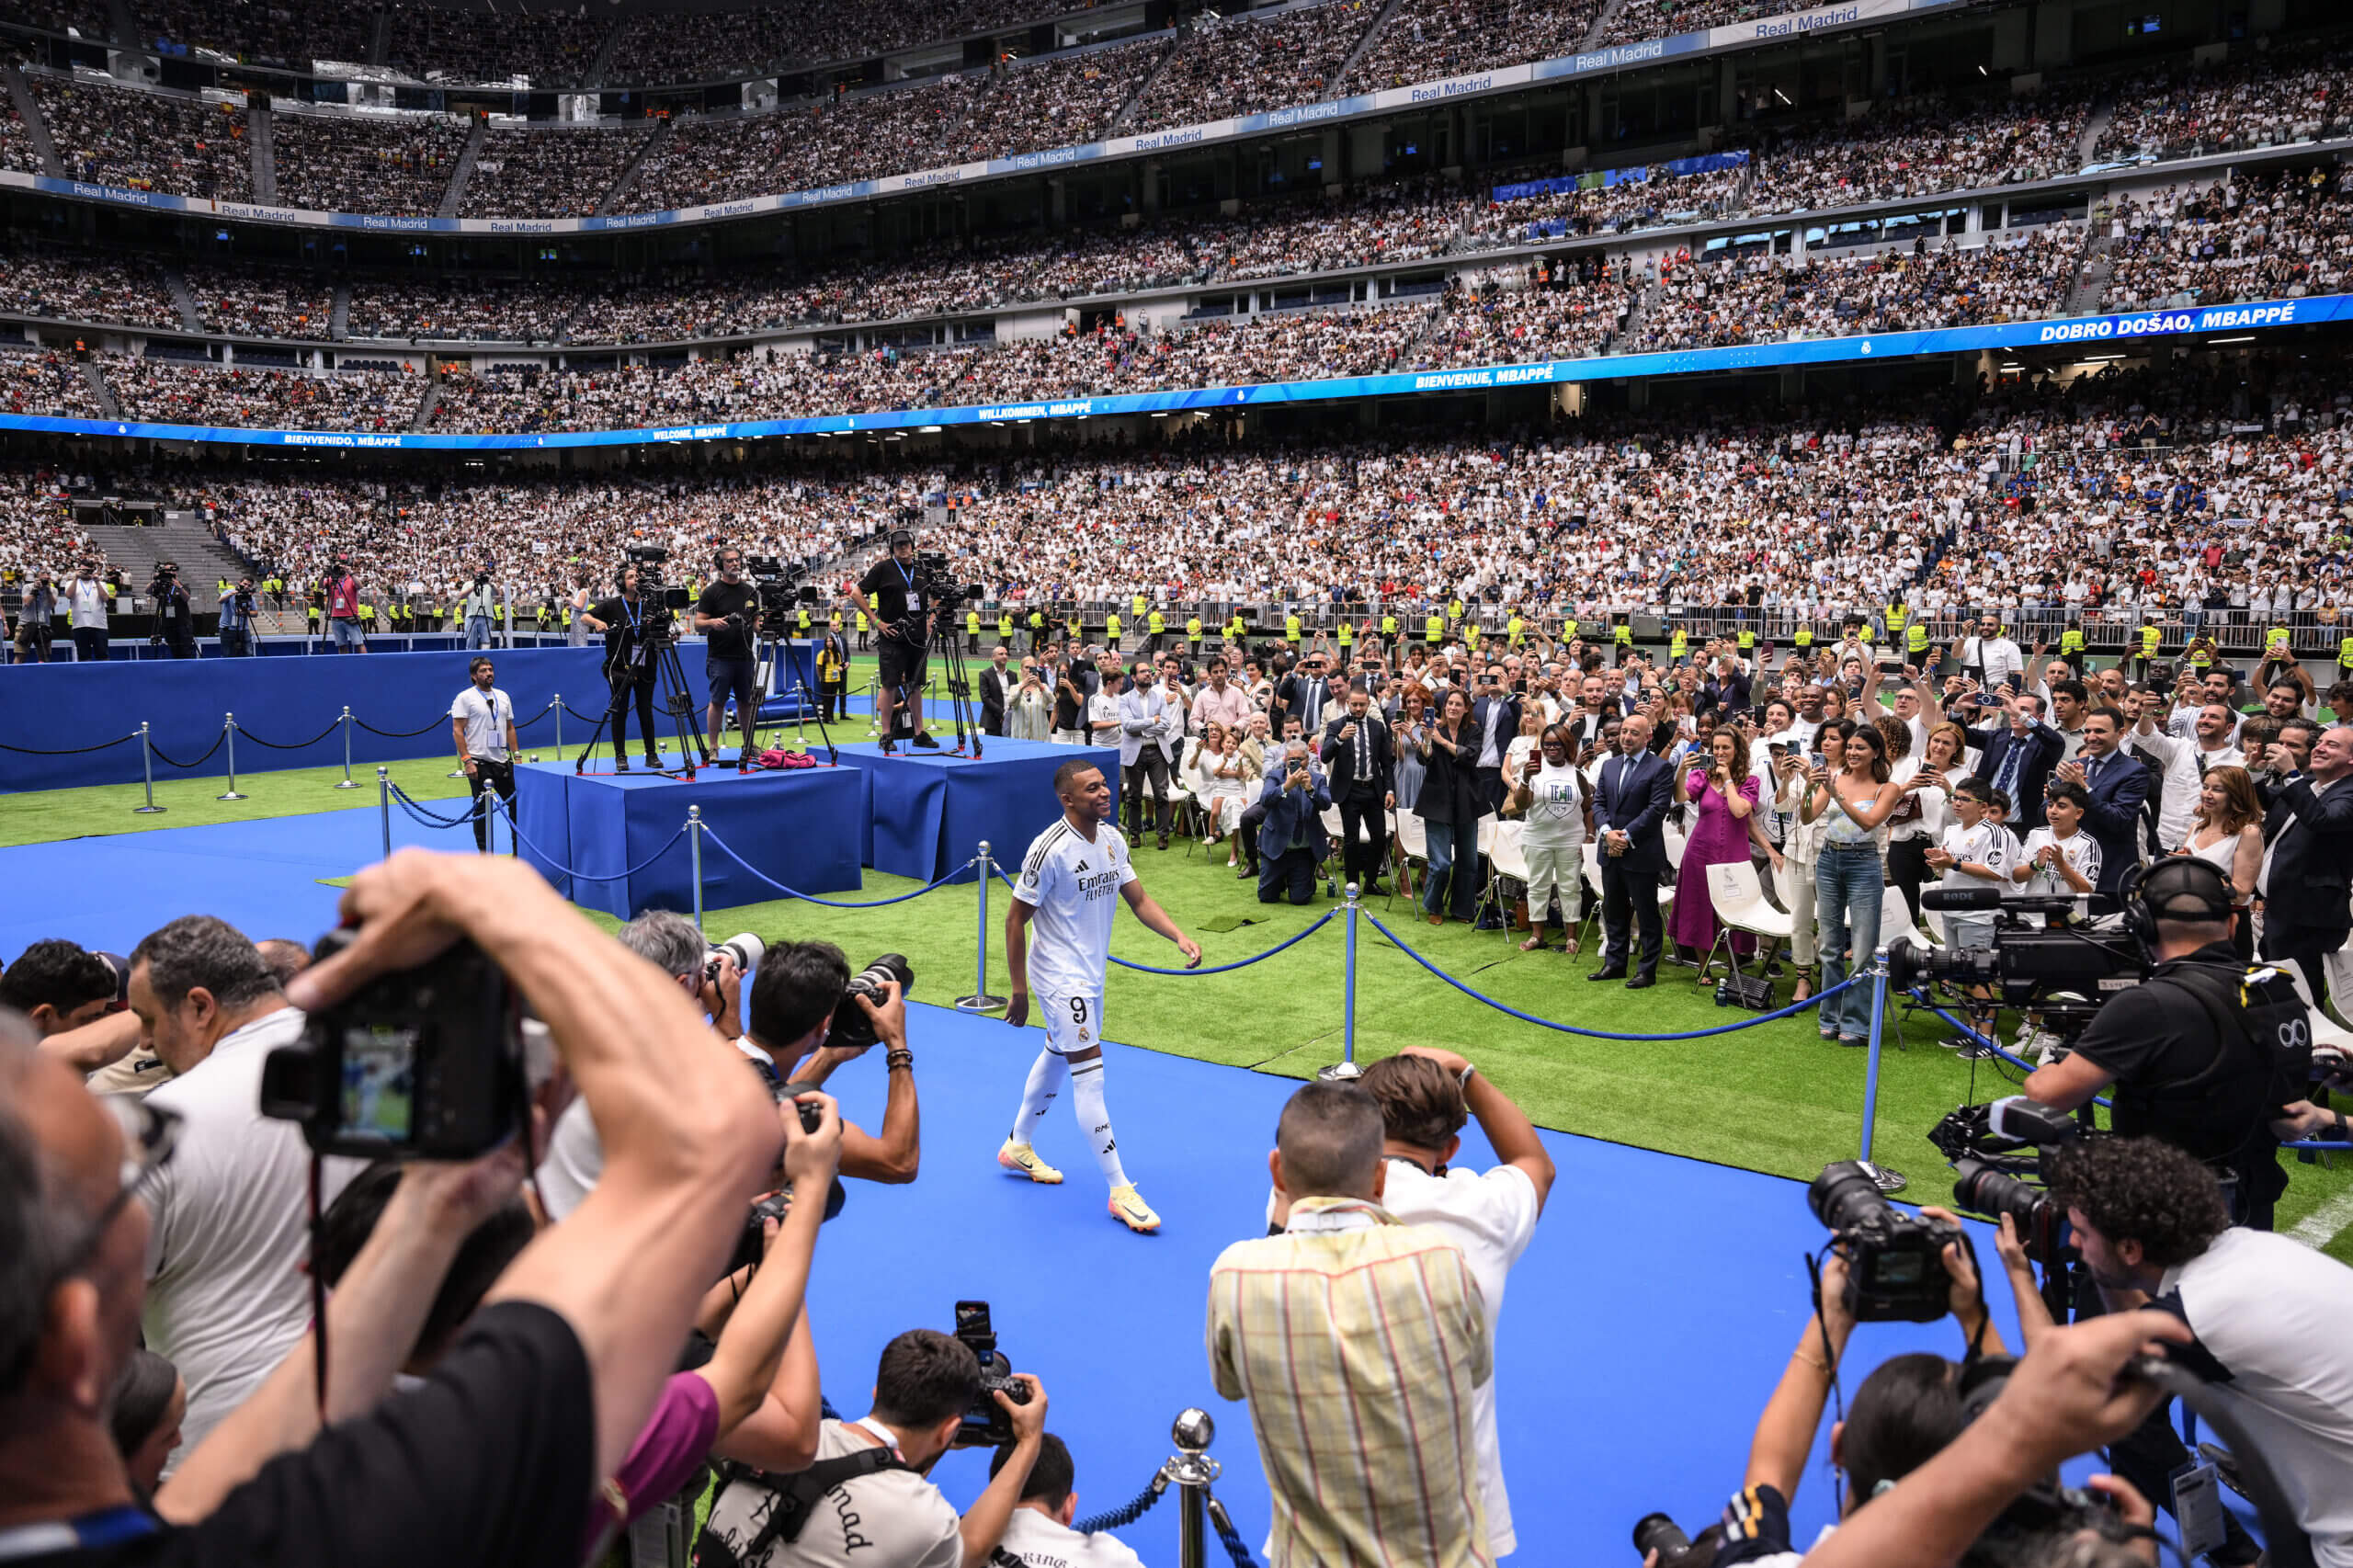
1854 802
1549 795
1449 809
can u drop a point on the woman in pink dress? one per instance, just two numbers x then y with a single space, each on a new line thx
1720 784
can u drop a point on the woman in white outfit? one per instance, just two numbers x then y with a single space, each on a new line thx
1220 777
1801 847
1550 795
1029 714
2227 834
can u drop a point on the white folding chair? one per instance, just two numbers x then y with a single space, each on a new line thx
1412 848
1592 856
1895 921
2326 1032
1740 904
1506 858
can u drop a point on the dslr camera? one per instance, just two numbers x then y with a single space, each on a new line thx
851 1028
752 1246
1895 1265
986 1426
423 1064
744 947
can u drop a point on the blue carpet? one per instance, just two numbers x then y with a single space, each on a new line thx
1644 1328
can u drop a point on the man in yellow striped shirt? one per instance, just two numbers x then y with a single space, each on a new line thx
1358 1341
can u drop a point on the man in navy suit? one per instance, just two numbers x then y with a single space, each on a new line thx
2017 757
1495 722
1630 812
2307 857
2119 784
1356 759
1292 840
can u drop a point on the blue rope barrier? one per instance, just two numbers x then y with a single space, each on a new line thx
712 833
1993 1045
1221 969
1795 1007
563 869
418 814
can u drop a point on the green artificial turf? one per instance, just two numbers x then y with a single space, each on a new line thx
1773 1098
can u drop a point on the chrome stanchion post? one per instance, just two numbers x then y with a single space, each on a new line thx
347 783
228 724
384 805
1346 1069
980 1001
559 726
1191 1469
694 848
147 774
1885 1179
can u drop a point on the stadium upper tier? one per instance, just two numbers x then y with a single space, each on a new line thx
414 167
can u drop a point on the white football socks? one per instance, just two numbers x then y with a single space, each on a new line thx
1046 1076
1095 1120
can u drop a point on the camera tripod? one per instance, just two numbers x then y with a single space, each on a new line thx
654 650
768 662
960 687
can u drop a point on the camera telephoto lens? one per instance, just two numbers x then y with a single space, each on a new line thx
1656 1532
1843 1196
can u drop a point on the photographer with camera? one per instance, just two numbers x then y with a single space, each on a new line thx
891 592
726 614
2200 1053
477 610
865 1500
800 1030
34 632
2268 1314
628 625
175 614
491 1458
238 620
87 598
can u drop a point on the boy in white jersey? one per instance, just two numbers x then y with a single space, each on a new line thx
1068 884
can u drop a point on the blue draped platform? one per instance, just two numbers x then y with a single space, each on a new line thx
928 809
800 827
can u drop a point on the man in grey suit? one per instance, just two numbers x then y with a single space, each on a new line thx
1149 724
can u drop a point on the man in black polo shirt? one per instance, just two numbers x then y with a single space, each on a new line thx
629 666
889 596
724 614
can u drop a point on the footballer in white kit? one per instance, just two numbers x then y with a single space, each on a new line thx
1059 931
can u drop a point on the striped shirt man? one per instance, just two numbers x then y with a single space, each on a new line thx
1358 1341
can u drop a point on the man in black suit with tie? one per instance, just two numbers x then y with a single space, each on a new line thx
994 682
1356 760
1630 812
1302 695
2017 757
2307 858
2119 785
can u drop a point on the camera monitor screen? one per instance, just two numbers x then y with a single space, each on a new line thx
379 1083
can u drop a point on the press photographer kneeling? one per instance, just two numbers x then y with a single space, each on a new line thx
2205 1053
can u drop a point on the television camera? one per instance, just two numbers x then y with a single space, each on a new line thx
779 590
2039 962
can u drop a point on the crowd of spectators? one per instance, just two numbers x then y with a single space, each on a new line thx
145 141
283 32
1590 207
1427 41
47 386
548 47
71 286
804 145
58 16
397 167
260 303
1924 148
1514 315
1241 65
668 47
458 308
546 174
2272 99
1060 101
2272 238
1380 222
1639 19
166 393
1763 298
17 147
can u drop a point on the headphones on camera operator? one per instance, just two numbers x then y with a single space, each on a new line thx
2257 1014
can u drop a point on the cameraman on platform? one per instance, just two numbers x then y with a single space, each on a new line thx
2202 1052
174 615
890 595
479 607
726 613
238 620
629 665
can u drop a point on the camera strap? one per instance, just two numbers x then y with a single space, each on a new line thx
796 1497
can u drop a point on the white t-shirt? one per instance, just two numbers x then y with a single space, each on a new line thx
1492 1216
86 601
1555 812
486 719
892 1518
1982 844
2273 1313
1074 884
1103 709
1036 1541
226 1294
2082 852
